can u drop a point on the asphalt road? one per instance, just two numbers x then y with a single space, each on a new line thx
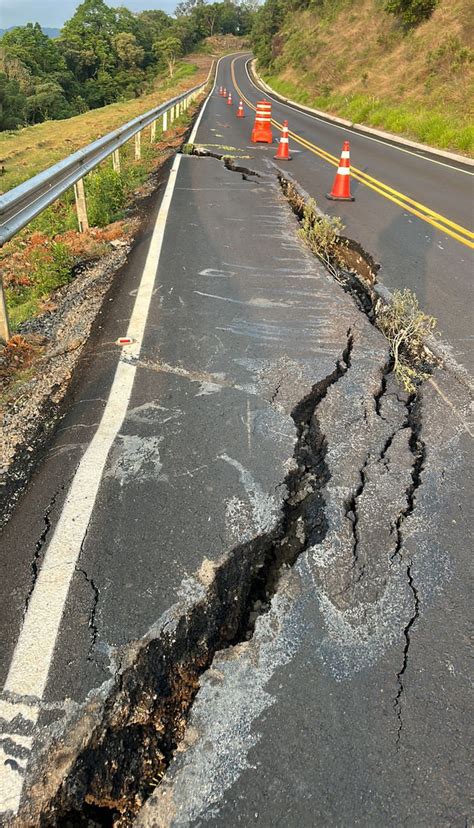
412 253
164 482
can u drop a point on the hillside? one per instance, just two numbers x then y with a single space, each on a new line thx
352 58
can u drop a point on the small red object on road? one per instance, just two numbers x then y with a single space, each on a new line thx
229 100
240 111
124 340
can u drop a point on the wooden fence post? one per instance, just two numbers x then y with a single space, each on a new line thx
4 324
81 206
116 160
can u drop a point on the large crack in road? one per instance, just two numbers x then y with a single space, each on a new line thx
115 750
144 715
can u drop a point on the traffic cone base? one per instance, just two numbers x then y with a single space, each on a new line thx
341 188
339 198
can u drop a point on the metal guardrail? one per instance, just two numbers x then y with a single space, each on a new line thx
24 202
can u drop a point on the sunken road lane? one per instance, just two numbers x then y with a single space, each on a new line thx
436 263
242 488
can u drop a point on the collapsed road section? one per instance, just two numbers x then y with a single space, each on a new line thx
256 624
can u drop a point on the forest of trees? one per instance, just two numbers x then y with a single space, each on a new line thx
102 55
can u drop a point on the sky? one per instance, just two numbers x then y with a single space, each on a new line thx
54 14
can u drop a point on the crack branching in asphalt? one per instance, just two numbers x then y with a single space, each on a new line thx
40 543
145 716
93 610
418 450
126 754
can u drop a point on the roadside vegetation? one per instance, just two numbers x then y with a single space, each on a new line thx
47 254
27 151
50 252
102 55
401 320
405 66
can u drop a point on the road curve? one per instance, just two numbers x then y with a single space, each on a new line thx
242 486
436 263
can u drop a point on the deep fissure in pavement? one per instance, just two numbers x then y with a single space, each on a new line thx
125 753
145 715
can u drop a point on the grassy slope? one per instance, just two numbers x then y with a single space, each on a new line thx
39 258
27 151
356 62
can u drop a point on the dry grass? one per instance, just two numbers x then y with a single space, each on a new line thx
28 151
361 65
406 328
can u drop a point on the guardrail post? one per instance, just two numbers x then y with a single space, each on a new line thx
4 324
116 160
138 146
171 115
153 132
81 206
165 122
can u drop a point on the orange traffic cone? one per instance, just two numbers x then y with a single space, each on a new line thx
341 189
229 100
283 148
221 90
262 130
224 93
240 111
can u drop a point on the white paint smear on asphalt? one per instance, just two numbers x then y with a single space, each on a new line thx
34 651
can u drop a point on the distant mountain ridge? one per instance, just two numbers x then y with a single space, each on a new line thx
47 30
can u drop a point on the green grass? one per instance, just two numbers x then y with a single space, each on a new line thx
421 124
49 270
47 267
27 151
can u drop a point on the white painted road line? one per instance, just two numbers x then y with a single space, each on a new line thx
192 137
34 651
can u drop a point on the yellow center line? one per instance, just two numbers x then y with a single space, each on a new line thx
442 223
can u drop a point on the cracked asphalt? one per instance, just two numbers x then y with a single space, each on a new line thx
277 527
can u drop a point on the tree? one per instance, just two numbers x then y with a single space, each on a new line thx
47 102
169 49
86 39
266 24
411 12
39 53
186 7
128 53
12 103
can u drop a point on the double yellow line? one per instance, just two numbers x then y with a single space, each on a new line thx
456 231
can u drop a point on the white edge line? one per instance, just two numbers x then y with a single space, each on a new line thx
36 643
192 137
304 110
